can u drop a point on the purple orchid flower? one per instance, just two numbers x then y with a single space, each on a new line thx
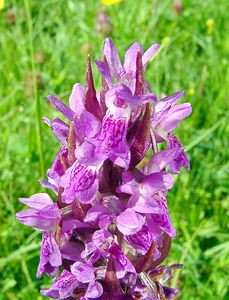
102 245
80 182
144 197
84 273
125 73
108 231
81 275
59 129
43 215
181 160
63 286
50 256
111 141
165 118
143 240
121 262
98 246
56 171
167 115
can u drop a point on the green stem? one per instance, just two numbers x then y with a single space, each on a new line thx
34 80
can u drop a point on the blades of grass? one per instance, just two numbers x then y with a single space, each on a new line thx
185 254
38 106
18 254
32 237
8 203
8 284
223 247
26 272
206 134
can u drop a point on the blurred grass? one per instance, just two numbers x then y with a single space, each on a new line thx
52 57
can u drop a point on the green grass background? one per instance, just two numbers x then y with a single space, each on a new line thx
191 57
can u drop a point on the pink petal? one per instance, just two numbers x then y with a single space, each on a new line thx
161 159
105 71
180 160
37 201
60 130
129 222
94 290
50 255
149 54
145 205
83 272
79 182
160 181
174 116
131 57
45 219
61 107
77 99
111 54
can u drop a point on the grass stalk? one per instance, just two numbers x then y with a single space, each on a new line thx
35 92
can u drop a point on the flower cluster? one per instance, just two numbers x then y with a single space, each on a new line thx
109 229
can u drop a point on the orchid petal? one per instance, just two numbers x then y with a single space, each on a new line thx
121 262
50 256
77 99
141 241
63 286
83 272
37 201
45 219
181 160
61 107
94 290
88 154
173 99
145 205
113 60
129 222
90 123
170 293
131 57
105 71
161 159
174 116
159 181
149 54
48 185
95 213
79 182
57 168
162 219
60 130
70 251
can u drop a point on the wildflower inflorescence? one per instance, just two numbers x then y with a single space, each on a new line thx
108 230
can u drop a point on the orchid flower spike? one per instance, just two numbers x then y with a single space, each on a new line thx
107 229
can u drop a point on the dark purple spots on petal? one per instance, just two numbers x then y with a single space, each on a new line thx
122 259
142 240
65 280
112 133
85 181
47 247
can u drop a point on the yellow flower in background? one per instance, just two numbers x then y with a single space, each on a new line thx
109 2
1 4
190 91
210 23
